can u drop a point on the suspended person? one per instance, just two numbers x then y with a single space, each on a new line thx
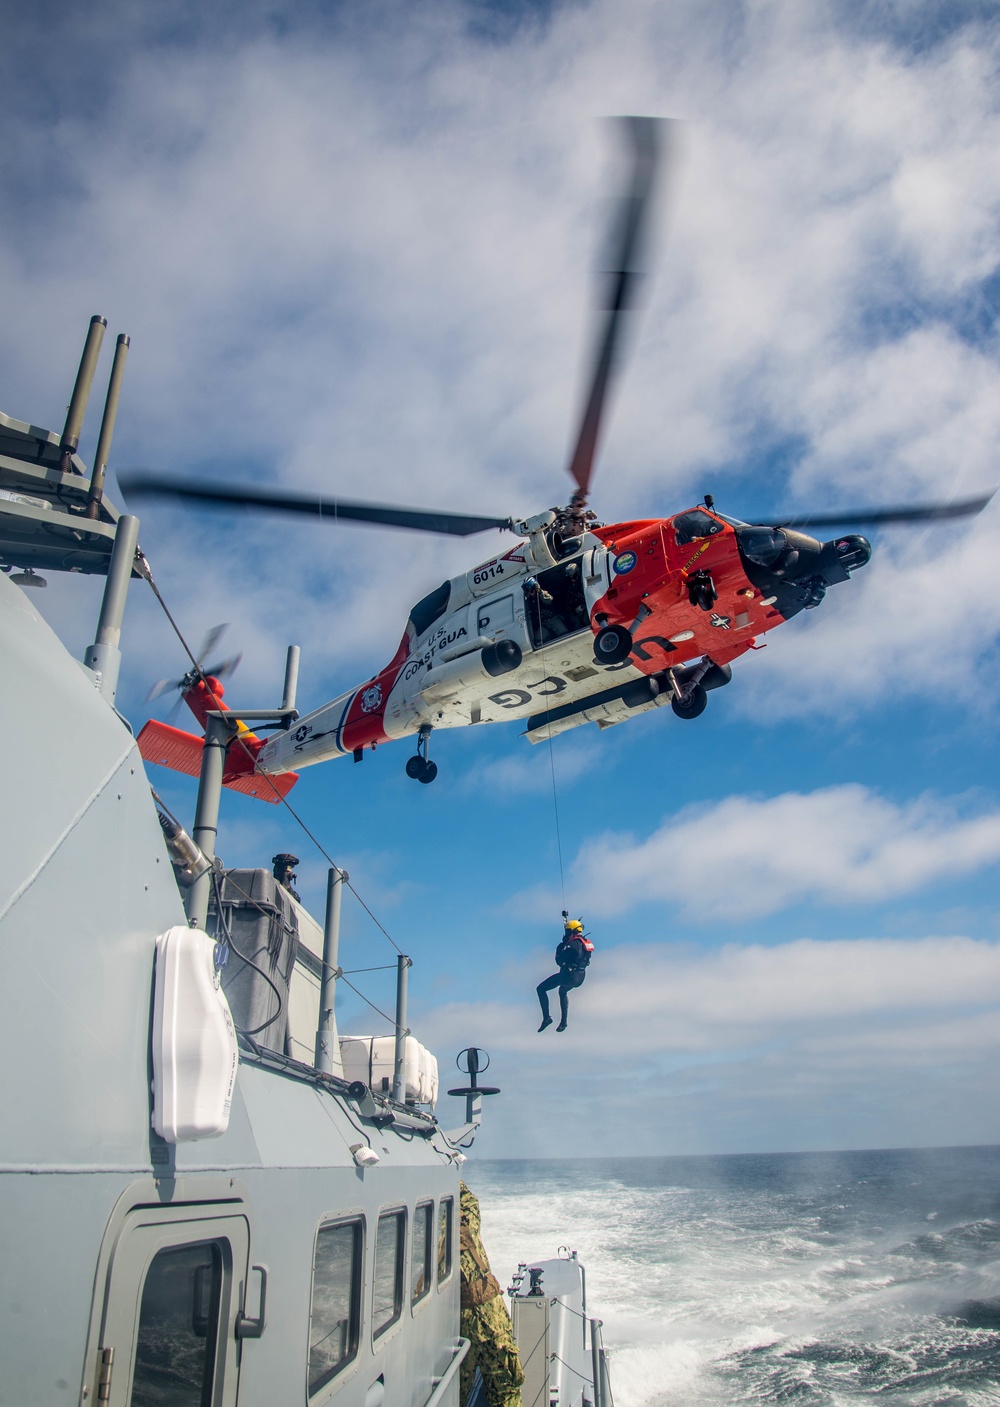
572 959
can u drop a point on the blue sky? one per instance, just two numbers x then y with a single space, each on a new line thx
354 247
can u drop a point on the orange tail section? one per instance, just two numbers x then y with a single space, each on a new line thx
172 747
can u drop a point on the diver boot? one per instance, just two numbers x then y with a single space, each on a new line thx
561 1026
546 1021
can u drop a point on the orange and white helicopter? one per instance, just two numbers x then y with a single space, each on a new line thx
578 622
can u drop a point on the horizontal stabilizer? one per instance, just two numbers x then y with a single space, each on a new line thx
172 747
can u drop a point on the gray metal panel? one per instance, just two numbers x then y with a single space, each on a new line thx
85 885
530 1317
570 1359
259 917
50 1236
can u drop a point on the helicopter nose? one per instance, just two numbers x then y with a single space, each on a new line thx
852 551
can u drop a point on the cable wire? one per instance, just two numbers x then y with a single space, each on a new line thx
227 934
536 600
147 574
372 916
555 808
391 1020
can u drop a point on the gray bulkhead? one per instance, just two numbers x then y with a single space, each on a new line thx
89 1192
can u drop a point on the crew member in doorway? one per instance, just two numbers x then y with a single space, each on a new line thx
572 959
284 871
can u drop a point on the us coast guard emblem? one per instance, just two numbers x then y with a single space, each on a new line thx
371 699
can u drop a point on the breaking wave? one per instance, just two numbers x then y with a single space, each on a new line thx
816 1280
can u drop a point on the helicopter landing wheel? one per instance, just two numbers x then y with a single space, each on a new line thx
420 767
694 703
612 644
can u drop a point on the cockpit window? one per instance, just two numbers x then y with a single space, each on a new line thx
426 612
696 524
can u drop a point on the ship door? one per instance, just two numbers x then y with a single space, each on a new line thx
176 1285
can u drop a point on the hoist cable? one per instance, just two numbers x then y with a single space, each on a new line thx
555 808
536 598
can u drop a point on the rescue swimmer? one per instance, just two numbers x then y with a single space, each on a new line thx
572 959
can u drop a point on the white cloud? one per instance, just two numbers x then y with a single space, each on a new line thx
843 995
530 773
746 856
850 1043
356 257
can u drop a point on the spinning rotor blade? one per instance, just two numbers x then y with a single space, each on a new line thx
332 509
161 687
875 517
644 134
212 638
224 668
219 671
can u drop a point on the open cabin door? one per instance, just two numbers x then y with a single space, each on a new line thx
557 605
175 1286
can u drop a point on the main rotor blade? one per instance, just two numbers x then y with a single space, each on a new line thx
644 134
875 517
331 509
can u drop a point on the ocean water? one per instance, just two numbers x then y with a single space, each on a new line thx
808 1279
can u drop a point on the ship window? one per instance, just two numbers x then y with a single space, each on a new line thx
445 1236
387 1293
420 1266
694 525
178 1327
335 1314
429 608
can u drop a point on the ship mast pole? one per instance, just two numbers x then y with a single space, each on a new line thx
327 1042
205 830
399 1073
104 658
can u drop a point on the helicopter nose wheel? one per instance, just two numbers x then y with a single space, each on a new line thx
612 644
420 767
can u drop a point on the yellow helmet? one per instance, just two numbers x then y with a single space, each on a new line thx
573 925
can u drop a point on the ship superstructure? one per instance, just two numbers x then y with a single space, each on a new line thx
209 1196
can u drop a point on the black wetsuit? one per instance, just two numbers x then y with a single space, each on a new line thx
572 958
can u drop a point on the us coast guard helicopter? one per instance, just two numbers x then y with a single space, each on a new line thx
578 622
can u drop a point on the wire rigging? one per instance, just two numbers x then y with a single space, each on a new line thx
146 572
391 1020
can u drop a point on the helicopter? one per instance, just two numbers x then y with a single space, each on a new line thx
579 621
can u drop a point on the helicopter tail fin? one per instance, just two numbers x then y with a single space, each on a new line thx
172 747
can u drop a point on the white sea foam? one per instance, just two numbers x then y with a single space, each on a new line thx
751 1281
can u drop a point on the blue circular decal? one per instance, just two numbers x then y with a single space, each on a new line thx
624 562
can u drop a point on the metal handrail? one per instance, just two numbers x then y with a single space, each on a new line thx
440 1385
